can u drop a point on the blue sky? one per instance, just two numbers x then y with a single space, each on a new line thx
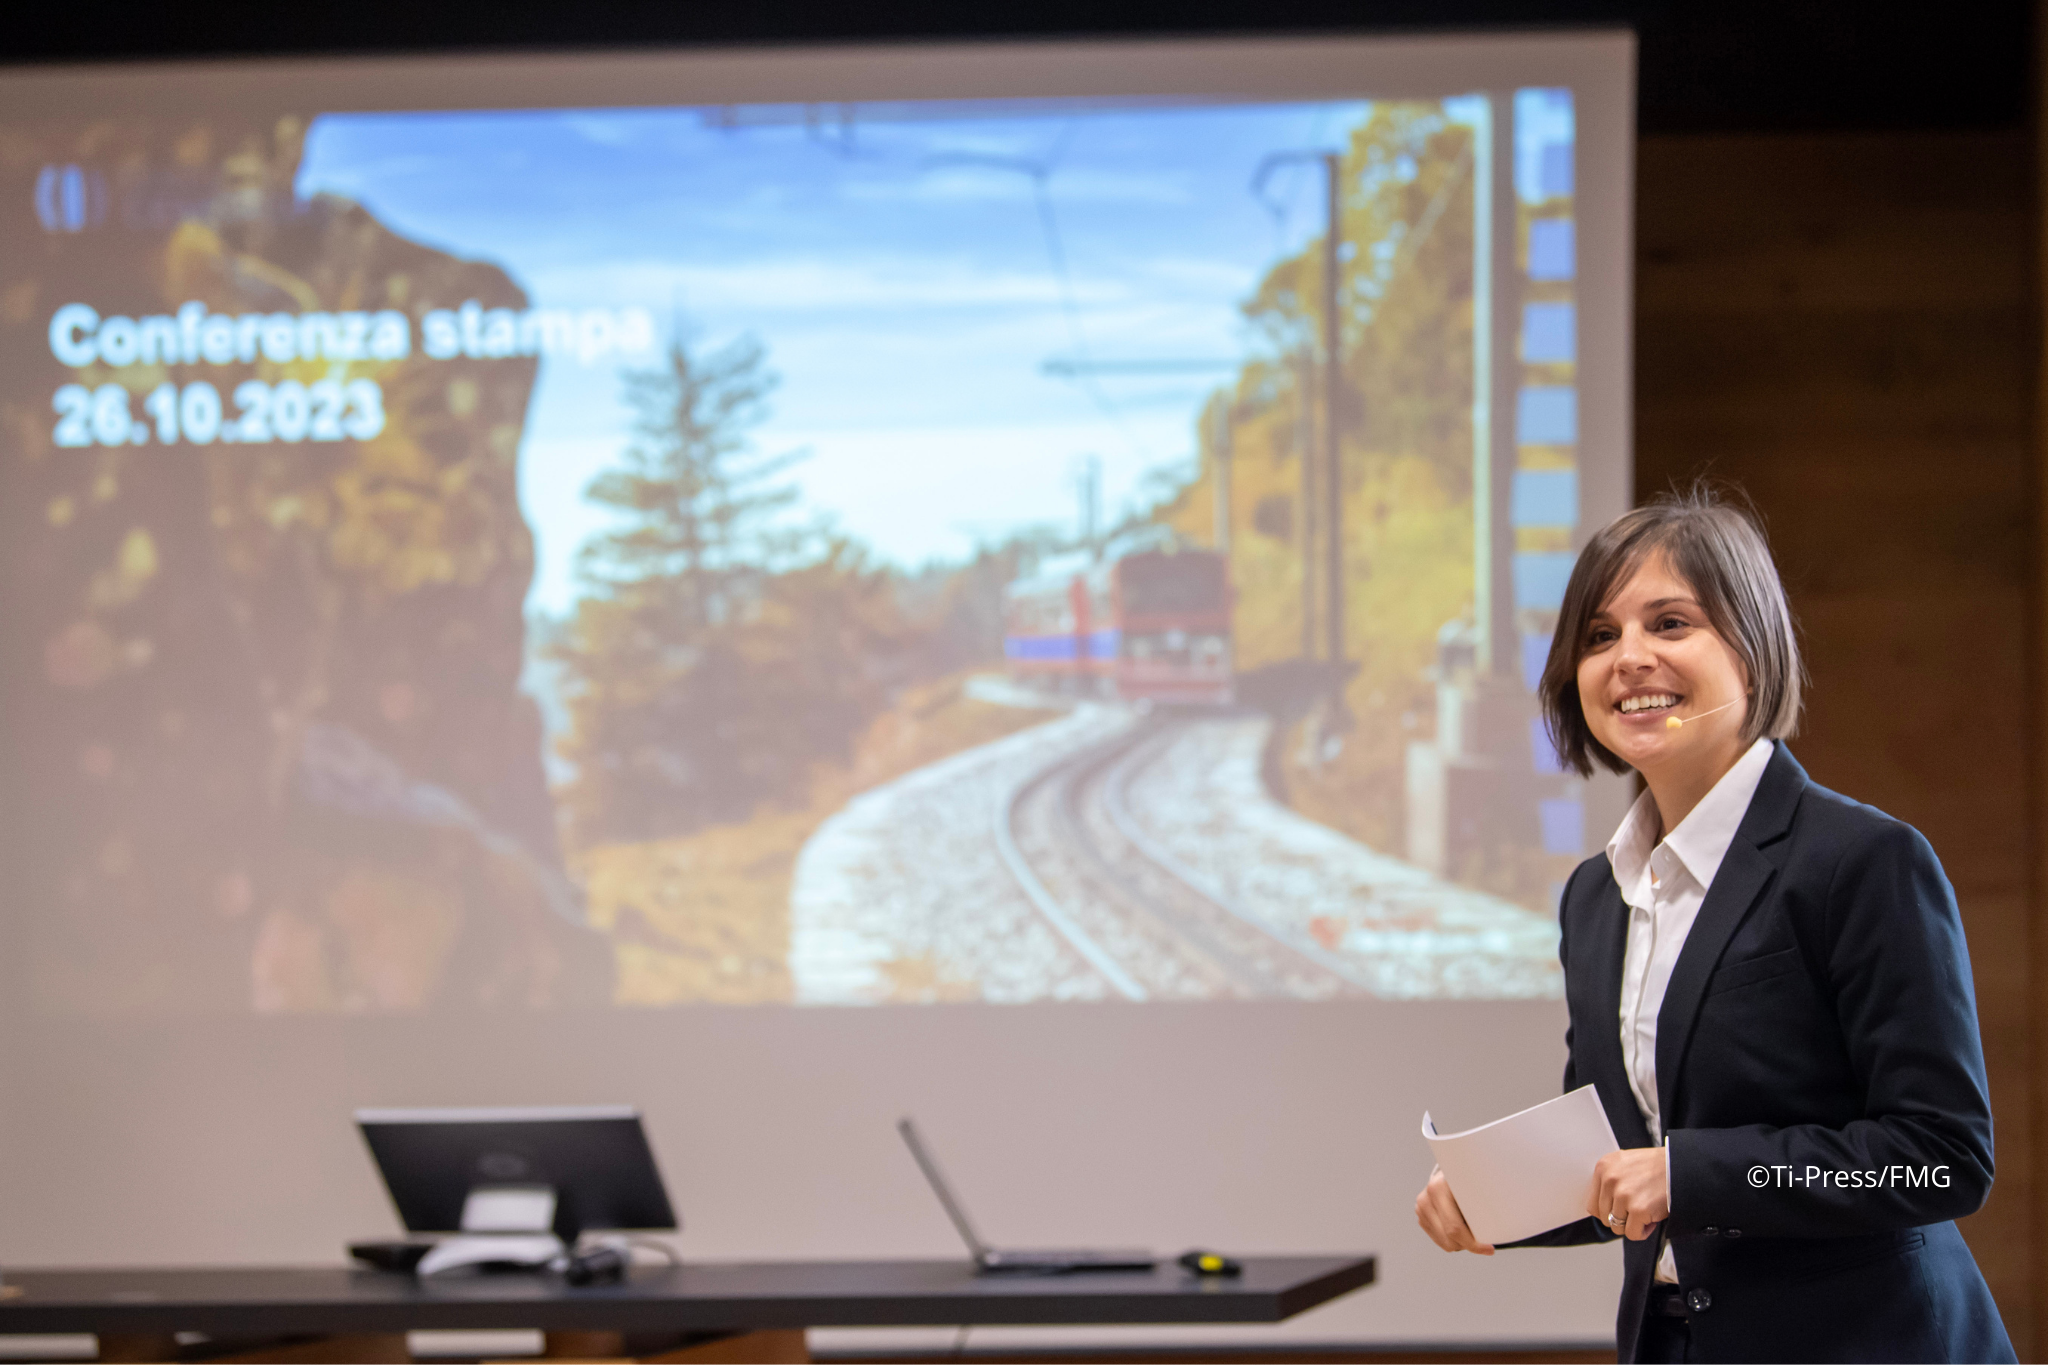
899 274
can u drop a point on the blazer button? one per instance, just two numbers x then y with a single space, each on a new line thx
1711 1231
1699 1300
1734 1232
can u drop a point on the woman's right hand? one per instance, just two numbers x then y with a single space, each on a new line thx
1438 1213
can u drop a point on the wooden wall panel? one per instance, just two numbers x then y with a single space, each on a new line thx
1844 326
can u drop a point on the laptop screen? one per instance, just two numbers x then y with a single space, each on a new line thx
925 1163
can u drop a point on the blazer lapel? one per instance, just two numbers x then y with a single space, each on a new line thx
1743 874
1604 931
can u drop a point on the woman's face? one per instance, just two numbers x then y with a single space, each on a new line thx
1651 655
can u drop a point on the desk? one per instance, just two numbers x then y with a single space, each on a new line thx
135 1312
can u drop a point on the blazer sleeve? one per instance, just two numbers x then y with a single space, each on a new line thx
1588 1229
1899 968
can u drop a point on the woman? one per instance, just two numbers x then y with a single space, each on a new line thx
1766 982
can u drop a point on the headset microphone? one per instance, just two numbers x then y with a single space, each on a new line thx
1673 722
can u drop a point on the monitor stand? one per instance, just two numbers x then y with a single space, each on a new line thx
532 1251
502 1225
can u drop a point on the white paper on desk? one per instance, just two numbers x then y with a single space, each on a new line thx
1529 1172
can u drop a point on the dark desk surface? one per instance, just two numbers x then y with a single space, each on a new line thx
690 1298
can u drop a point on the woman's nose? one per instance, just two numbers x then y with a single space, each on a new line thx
1633 650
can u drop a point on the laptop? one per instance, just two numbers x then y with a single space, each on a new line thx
989 1261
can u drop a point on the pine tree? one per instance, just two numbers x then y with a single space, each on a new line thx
663 658
702 501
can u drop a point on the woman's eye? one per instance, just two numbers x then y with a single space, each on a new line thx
1673 623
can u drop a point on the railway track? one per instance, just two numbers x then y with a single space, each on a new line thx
1125 905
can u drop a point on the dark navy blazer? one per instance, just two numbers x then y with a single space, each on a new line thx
1821 1084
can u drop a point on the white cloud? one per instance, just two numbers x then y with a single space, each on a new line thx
814 285
603 129
354 180
967 183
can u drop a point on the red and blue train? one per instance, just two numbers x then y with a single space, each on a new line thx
1147 620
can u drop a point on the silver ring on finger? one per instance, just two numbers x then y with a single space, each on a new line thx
1617 1220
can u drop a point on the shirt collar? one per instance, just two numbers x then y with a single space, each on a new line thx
1701 840
1628 852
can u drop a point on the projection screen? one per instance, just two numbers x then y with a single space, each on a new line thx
788 587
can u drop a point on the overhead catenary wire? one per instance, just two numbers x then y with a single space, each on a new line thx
1039 172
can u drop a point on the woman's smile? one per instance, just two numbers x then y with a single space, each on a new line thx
1641 705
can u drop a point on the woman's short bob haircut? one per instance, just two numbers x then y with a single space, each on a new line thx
1718 549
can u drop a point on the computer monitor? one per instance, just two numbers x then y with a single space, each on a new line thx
595 1159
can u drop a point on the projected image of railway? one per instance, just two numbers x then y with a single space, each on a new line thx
817 554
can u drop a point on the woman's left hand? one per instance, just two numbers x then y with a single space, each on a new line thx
1629 1193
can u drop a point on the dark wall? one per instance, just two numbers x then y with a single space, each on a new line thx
1843 324
1749 65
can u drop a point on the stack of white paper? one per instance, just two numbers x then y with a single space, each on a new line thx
1529 1172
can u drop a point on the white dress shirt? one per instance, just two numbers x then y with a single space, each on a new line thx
1664 885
